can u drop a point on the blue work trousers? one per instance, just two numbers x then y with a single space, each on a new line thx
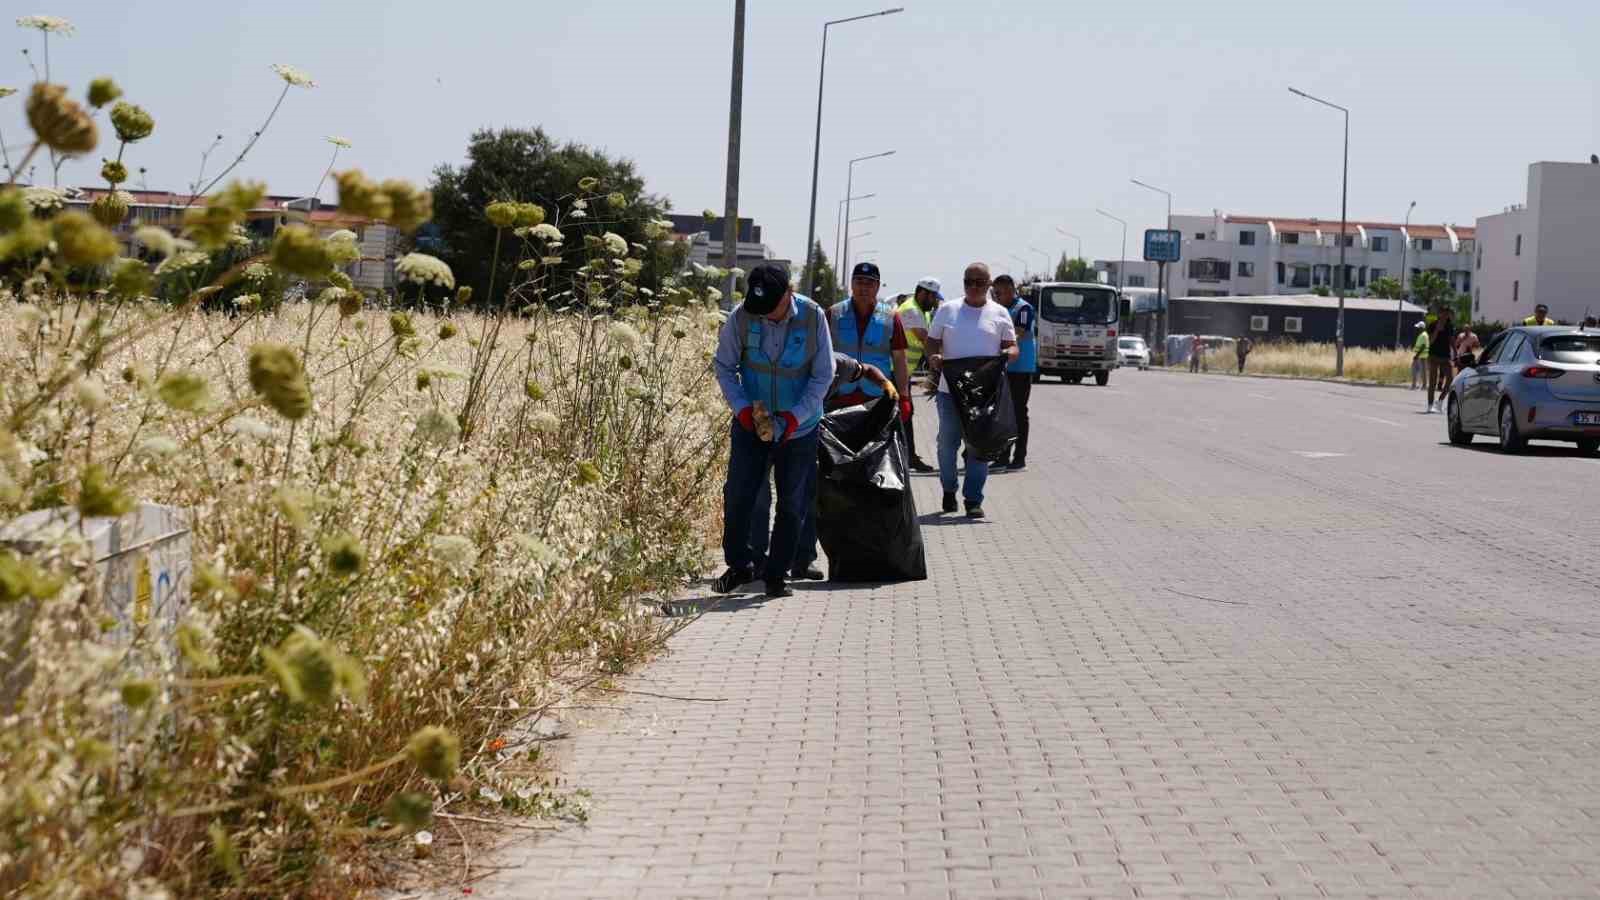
793 465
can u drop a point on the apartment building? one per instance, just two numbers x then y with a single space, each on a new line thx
1546 250
1230 255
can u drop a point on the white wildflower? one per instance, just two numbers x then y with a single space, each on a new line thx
420 268
47 24
490 794
423 838
453 549
187 259
579 214
156 240
342 143
249 426
91 393
626 335
615 243
343 234
293 76
43 199
580 204
438 427
158 446
547 232
545 422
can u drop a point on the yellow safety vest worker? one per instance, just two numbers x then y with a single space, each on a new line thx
913 343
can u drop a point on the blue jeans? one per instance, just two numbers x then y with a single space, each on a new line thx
949 443
760 523
794 466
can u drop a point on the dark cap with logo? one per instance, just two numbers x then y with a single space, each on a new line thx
768 282
865 270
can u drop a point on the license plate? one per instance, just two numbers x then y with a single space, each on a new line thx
1586 418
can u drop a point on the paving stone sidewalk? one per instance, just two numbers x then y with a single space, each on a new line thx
1223 638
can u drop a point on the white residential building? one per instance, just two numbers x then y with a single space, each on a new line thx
1228 255
1546 250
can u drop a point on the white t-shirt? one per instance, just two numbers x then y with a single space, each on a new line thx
912 317
968 330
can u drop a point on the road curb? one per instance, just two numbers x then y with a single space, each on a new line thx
1271 377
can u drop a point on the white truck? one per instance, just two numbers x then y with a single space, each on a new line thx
1078 324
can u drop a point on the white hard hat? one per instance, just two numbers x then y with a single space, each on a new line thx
931 283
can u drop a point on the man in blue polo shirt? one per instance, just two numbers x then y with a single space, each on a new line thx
773 350
1020 371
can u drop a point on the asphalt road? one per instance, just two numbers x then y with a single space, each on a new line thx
1224 637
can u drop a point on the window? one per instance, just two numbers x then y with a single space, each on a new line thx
1258 323
1362 276
1477 300
1466 282
1280 273
1321 274
1583 349
1377 273
1516 288
1289 237
1493 350
1348 277
1204 293
1209 269
1519 246
1291 324
1380 244
1424 243
1480 256
1199 235
1302 276
1135 281
1247 238
1246 269
1349 240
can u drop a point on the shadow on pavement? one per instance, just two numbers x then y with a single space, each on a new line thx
1488 446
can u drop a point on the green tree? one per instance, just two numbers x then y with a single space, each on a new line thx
1431 291
826 283
529 166
1385 288
1074 269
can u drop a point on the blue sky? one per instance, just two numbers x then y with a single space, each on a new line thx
1008 119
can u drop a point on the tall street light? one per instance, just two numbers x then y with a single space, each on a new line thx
816 147
1045 272
1344 196
1020 260
1405 244
1161 296
1074 237
849 182
841 275
838 226
1123 265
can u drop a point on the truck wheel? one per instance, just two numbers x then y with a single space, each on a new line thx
1072 379
1102 377
1037 377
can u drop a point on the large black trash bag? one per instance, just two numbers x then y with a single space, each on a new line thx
983 398
866 518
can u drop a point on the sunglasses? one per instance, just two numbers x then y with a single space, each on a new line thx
975 282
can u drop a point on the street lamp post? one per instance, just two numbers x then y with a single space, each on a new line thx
1123 265
839 226
1045 272
1161 286
1405 244
1074 237
1020 260
849 182
1344 197
816 147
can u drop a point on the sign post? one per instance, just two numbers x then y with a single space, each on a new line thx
1161 246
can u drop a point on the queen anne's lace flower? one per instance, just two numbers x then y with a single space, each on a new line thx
616 243
420 268
47 24
547 233
340 142
293 76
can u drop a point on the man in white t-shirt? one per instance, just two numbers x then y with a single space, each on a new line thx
976 326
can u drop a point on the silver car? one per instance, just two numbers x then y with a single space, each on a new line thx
1133 352
1530 383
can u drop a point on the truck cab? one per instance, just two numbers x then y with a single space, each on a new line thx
1078 325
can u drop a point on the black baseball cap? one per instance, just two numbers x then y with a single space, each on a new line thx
768 282
865 270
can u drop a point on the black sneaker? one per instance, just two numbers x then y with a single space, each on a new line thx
732 579
807 572
999 466
1018 465
974 510
949 501
918 465
777 587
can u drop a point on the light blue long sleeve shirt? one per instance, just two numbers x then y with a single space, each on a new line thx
730 344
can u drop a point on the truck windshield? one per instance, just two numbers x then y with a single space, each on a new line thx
1078 305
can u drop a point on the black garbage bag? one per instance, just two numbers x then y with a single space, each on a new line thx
866 517
983 398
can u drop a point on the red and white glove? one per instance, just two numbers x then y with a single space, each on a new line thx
747 418
789 423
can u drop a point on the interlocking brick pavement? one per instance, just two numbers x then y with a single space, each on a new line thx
1223 638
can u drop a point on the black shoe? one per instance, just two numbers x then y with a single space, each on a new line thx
949 501
777 587
999 466
918 465
807 572
1018 464
974 510
733 579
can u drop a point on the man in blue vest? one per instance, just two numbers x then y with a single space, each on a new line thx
1019 372
774 350
869 330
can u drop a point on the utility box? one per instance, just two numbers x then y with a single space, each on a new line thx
144 566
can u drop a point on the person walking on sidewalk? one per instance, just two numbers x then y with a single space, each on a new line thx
915 313
1419 356
1020 371
1241 348
1197 353
774 350
1440 340
976 326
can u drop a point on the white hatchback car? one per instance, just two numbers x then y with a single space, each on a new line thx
1132 351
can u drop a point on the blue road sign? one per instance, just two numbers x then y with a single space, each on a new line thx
1162 245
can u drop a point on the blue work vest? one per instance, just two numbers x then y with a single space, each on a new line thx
872 347
779 383
1022 316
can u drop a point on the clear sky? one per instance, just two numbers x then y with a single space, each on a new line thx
1008 119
